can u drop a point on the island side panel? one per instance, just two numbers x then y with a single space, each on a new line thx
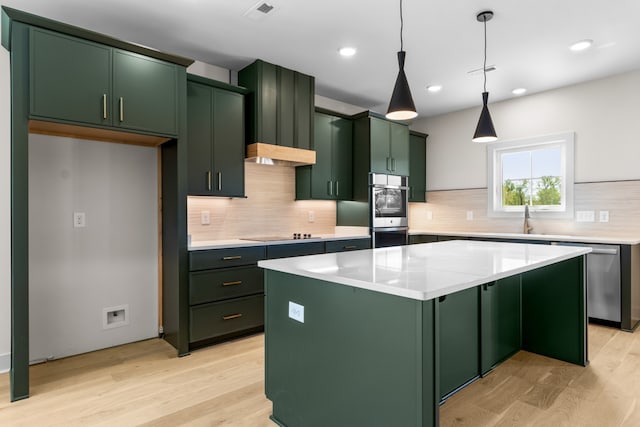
360 357
554 322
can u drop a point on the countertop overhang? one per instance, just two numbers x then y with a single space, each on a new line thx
426 271
612 240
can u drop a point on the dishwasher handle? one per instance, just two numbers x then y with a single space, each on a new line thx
601 251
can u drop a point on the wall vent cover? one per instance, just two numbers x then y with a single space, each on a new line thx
264 8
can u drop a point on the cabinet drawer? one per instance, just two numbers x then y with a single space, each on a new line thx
224 283
347 245
221 318
294 249
230 257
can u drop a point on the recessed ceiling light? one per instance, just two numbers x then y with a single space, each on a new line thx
519 91
581 45
347 51
434 88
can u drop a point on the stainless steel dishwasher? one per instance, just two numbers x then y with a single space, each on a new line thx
603 281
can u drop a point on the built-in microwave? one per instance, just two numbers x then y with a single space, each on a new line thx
389 200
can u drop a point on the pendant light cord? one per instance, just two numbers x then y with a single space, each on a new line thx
484 65
401 27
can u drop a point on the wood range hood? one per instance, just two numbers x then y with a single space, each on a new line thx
260 152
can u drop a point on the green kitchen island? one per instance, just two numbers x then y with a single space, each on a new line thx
381 337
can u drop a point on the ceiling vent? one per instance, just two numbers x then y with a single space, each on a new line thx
479 70
259 10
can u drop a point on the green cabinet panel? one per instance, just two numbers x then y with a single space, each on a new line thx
294 249
501 321
280 110
553 311
417 167
81 82
422 238
458 318
144 93
227 257
70 78
225 318
331 177
215 140
347 245
379 146
224 283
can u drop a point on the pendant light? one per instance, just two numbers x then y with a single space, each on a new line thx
485 132
401 106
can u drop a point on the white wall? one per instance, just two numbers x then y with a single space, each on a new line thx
5 212
210 71
74 273
603 113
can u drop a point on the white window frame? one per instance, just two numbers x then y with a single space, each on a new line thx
494 175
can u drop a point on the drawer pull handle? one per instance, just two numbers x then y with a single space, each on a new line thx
235 282
104 106
348 248
231 258
121 109
232 316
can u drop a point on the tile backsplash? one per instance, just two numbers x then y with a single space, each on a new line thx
269 209
447 211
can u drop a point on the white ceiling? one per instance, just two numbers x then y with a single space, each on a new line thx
527 41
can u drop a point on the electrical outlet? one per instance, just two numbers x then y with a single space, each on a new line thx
205 218
603 216
79 220
469 215
311 216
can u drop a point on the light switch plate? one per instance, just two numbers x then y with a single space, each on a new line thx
311 216
469 215
429 215
585 216
296 311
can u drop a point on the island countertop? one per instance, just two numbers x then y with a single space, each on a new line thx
425 271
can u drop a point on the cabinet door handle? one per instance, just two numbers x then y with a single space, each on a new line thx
232 316
388 167
235 282
219 181
393 164
337 189
209 180
231 258
104 106
330 188
349 248
121 109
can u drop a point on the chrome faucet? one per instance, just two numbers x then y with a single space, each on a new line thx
526 228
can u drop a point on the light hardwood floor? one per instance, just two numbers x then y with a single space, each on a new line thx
146 384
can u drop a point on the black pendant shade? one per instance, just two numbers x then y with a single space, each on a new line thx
485 132
401 106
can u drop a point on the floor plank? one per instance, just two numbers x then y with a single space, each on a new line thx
145 384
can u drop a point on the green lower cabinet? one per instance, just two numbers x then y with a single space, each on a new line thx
224 318
458 318
295 249
501 322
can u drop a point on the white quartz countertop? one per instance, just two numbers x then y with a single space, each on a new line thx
426 271
234 243
634 240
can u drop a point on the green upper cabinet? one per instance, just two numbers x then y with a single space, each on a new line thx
215 138
281 106
331 177
82 82
417 167
379 146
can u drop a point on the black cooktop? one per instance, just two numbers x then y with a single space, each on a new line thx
295 236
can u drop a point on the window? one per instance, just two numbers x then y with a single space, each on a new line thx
534 171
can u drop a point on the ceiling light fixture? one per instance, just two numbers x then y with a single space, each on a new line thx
519 91
581 45
347 51
485 132
401 106
434 88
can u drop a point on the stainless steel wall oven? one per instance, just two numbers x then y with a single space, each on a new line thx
389 209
